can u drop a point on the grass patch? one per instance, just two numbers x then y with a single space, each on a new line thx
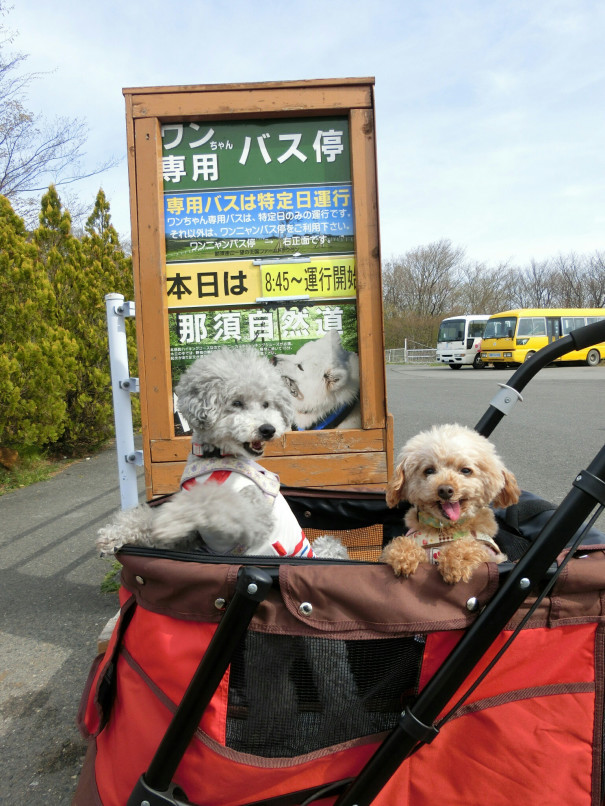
29 470
111 580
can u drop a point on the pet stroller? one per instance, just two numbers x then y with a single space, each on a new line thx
232 681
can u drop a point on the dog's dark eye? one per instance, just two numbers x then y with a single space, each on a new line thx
237 404
300 367
466 471
429 471
265 405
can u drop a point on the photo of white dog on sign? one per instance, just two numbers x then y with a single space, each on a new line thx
323 379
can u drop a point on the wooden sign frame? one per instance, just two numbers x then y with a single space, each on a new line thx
337 458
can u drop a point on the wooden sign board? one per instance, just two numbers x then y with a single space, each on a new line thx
254 213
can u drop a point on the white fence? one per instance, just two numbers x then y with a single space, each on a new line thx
411 353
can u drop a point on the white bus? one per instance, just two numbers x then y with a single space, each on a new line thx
459 340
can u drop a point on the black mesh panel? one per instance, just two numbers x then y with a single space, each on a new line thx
292 695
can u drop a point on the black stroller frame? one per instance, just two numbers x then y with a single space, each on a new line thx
535 571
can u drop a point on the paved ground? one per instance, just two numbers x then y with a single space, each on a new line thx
51 608
51 612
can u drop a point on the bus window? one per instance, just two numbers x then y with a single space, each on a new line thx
532 326
451 330
474 331
476 328
500 327
553 328
572 323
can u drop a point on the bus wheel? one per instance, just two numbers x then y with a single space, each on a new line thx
593 358
477 362
455 366
529 355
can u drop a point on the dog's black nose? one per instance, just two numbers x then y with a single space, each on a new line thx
445 492
266 431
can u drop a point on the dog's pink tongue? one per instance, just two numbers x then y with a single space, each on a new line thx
451 509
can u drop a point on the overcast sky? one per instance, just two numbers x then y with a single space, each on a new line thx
489 113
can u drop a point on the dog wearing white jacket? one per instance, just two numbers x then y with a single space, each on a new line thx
235 403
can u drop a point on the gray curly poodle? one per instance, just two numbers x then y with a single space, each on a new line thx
235 402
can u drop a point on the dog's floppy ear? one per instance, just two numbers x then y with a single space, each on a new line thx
198 395
510 492
395 487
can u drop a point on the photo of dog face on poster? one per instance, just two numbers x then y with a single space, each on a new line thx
323 379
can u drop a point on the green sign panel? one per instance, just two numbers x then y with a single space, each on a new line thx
255 154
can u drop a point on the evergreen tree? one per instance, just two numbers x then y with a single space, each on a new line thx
37 354
82 272
106 259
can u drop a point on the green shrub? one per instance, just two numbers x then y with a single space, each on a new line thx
37 354
82 271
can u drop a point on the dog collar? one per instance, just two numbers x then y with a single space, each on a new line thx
433 543
435 523
333 419
207 451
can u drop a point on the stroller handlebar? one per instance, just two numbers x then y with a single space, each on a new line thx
588 335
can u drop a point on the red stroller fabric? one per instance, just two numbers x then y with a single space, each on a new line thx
531 732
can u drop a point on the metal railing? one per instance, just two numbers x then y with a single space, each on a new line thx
408 354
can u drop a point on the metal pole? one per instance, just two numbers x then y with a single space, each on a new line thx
121 386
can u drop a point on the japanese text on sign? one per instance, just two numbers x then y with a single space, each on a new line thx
254 153
191 285
256 213
231 224
215 328
315 278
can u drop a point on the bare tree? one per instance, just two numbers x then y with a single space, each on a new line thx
393 293
418 288
595 280
568 279
485 290
534 286
34 152
424 280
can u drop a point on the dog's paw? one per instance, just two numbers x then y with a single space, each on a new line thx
129 527
109 540
451 575
460 560
329 547
403 555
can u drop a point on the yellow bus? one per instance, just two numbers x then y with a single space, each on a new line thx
514 336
